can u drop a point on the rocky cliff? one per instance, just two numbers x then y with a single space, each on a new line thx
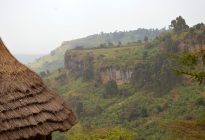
90 66
120 75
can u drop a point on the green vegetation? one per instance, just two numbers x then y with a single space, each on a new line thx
192 61
125 56
155 75
111 89
54 60
155 103
141 113
179 25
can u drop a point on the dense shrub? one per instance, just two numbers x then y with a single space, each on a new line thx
200 101
156 75
111 89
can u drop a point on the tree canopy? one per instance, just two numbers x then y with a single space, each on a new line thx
179 24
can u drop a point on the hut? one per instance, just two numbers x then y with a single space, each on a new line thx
28 108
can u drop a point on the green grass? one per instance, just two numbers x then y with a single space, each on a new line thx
118 57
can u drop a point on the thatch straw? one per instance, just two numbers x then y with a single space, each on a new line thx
27 107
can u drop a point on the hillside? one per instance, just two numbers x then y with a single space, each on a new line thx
54 60
131 92
126 111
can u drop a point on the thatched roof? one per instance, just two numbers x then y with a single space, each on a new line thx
27 107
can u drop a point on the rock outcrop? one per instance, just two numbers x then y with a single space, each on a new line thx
77 65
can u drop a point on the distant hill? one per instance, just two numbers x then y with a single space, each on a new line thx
23 58
54 60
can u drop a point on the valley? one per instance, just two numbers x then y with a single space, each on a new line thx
132 91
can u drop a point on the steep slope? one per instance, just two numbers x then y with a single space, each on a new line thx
54 60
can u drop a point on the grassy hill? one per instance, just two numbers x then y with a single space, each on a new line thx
155 103
54 60
131 113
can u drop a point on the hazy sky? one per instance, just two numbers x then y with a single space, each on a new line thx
39 26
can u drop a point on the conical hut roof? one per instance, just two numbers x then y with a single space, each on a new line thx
27 107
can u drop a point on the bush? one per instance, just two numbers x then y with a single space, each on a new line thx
111 89
88 74
157 75
200 101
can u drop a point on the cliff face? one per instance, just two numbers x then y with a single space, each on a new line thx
73 64
81 66
119 75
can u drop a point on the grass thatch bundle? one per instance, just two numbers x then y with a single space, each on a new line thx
27 107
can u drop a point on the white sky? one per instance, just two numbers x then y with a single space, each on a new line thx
39 26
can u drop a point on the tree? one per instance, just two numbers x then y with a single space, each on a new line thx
155 75
139 41
111 88
103 45
199 26
119 43
192 64
43 74
179 24
146 39
110 44
169 44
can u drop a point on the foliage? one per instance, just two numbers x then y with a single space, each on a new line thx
156 75
146 39
192 64
136 112
188 59
111 89
139 113
179 24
